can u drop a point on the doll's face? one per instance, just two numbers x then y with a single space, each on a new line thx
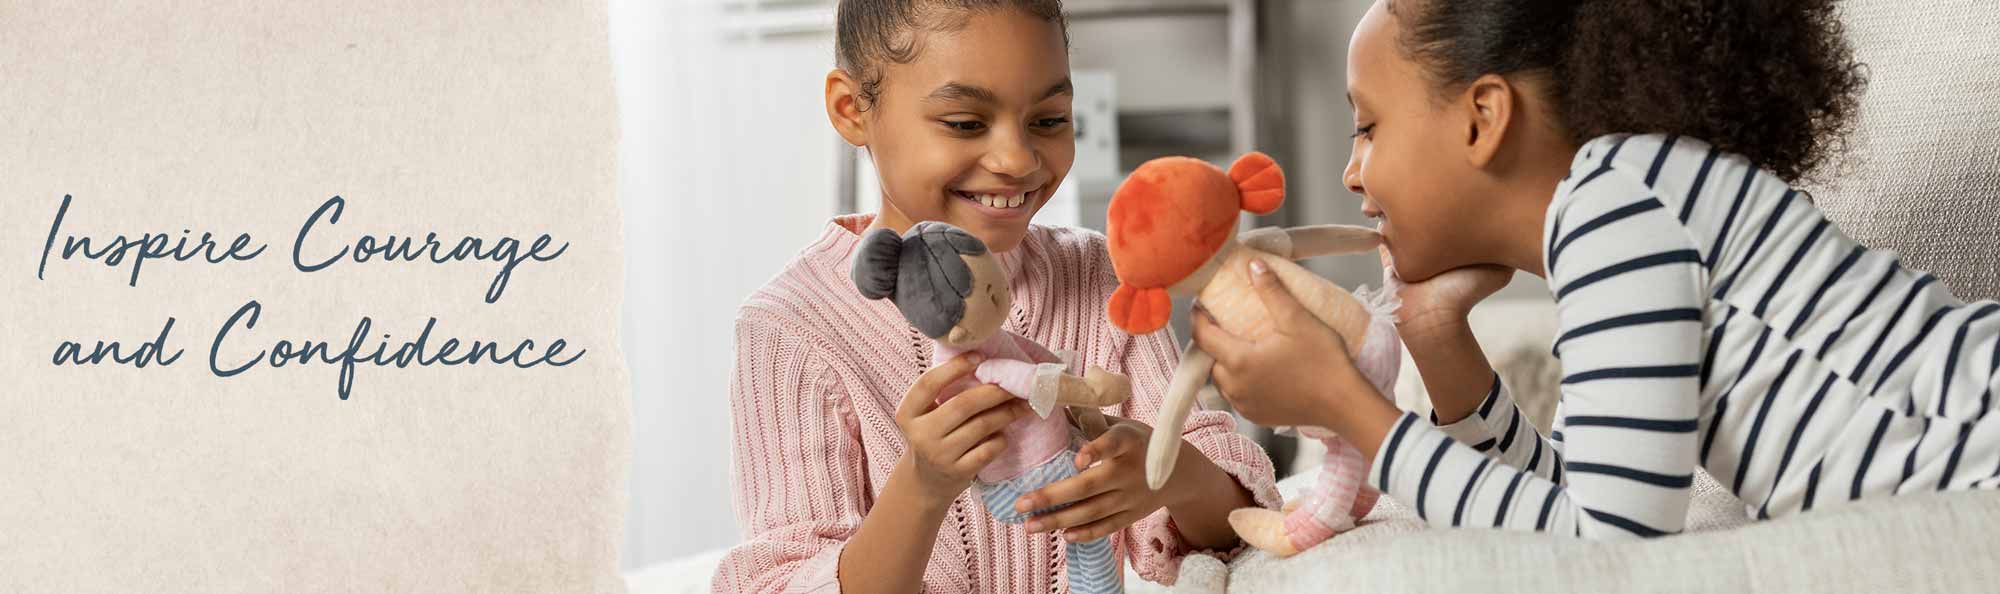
988 305
1199 279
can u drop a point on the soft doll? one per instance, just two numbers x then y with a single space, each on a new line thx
953 290
1172 230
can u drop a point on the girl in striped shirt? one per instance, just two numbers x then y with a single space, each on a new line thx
1638 155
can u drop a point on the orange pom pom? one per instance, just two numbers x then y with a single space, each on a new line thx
1139 311
1259 181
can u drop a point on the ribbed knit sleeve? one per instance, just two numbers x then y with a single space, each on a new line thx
1157 544
799 482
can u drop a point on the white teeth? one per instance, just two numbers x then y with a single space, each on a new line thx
999 201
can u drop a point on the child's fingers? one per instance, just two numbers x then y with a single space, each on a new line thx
1085 484
1103 527
922 396
955 412
1214 339
915 404
1083 512
936 378
1224 381
1284 307
1118 441
983 425
981 455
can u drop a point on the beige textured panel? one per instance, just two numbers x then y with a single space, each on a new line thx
1924 174
480 119
1915 543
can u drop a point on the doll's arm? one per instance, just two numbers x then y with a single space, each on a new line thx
1299 243
1165 444
1038 383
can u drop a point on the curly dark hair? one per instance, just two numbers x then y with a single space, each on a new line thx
1773 80
866 32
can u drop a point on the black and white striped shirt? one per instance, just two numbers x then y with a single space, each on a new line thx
1710 315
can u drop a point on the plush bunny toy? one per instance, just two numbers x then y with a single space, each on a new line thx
1172 231
952 289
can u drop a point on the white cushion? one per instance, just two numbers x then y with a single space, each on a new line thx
1918 543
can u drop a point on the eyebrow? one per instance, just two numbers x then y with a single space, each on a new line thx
1061 87
955 91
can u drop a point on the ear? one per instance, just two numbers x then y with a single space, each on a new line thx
844 108
1489 102
958 335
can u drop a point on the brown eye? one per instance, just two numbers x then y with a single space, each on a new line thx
966 126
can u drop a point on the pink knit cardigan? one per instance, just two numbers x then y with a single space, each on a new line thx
820 370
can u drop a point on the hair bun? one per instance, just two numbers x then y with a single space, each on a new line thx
1260 183
875 263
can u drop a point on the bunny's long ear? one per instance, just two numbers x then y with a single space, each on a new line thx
876 263
1259 182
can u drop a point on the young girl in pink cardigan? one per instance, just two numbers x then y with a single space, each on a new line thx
849 476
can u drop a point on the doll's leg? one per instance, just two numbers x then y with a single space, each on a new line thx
1341 478
1093 569
1326 508
999 497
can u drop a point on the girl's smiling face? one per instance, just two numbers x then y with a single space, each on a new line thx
974 131
1407 163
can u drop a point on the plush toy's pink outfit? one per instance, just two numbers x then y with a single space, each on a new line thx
1038 447
1026 370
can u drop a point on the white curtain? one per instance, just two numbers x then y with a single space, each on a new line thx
727 168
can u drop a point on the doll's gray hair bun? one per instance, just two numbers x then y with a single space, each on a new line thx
875 264
923 272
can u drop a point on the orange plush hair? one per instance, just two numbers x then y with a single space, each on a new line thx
1169 217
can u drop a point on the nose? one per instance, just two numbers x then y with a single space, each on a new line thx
1010 155
1352 175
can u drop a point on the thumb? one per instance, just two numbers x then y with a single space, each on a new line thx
1212 337
1285 308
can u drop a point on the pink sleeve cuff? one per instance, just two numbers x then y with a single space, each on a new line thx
782 566
818 574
